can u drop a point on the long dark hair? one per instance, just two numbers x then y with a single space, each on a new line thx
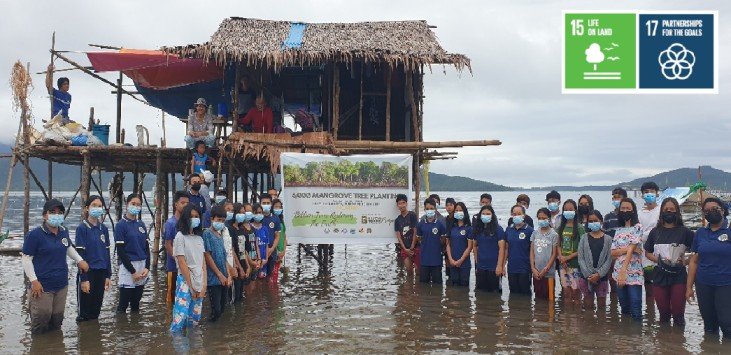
183 225
591 207
88 202
575 229
281 216
466 218
635 219
480 227
678 215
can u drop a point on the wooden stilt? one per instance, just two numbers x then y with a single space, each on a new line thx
159 176
136 181
26 195
412 103
118 197
85 176
230 180
120 138
245 186
50 179
336 101
417 184
360 110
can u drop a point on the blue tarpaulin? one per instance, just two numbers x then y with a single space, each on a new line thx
296 33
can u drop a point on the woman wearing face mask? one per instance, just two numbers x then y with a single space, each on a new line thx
517 238
710 269
544 242
595 262
44 261
253 258
459 246
262 239
238 241
278 209
92 243
133 248
569 232
666 245
192 280
628 263
586 206
489 250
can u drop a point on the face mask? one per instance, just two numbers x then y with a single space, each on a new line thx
518 219
195 187
595 226
249 216
266 208
584 210
486 218
553 206
649 198
714 217
219 226
430 213
669 217
543 223
258 217
96 212
616 203
624 216
240 217
278 211
55 220
195 222
229 216
220 199
458 215
569 214
134 210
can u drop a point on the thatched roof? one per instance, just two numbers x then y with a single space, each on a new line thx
259 43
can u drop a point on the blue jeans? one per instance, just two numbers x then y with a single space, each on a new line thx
630 299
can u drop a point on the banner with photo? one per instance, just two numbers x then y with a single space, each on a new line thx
343 199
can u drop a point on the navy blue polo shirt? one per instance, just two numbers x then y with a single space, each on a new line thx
431 241
519 249
93 244
488 249
271 224
49 256
714 256
133 234
198 201
169 234
458 241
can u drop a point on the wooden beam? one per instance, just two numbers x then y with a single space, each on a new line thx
35 179
159 176
50 179
412 103
360 110
388 103
85 176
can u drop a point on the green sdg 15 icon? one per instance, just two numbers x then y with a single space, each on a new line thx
599 51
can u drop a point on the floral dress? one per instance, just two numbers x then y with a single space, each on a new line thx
624 237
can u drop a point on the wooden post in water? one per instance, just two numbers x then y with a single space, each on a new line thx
85 176
388 103
360 109
120 139
159 176
50 179
118 194
417 183
336 101
26 193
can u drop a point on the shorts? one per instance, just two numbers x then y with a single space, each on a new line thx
648 272
601 289
570 277
414 257
544 288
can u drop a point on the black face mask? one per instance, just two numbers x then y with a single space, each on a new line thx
584 210
195 187
624 217
669 217
714 217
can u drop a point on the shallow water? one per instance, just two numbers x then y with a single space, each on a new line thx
366 303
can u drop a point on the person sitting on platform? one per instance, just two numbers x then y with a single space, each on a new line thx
200 126
61 99
200 160
260 117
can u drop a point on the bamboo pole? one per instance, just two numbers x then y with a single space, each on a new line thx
158 210
119 109
417 183
413 145
118 182
85 175
26 194
53 48
336 101
235 111
360 110
230 180
35 179
388 103
412 102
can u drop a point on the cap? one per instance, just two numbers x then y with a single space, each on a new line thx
52 204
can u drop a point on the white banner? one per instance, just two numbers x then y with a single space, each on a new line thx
343 200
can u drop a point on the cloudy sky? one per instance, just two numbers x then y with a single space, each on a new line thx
514 94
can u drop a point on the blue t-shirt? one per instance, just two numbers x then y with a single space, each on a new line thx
169 234
215 246
431 241
61 102
272 225
519 249
458 241
133 234
488 249
199 162
49 256
93 244
262 240
714 256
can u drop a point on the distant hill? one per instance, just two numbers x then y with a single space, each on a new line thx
441 182
715 179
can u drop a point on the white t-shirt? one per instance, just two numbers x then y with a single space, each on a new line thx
192 248
648 220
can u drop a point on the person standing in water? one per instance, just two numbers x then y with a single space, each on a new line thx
92 243
133 249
